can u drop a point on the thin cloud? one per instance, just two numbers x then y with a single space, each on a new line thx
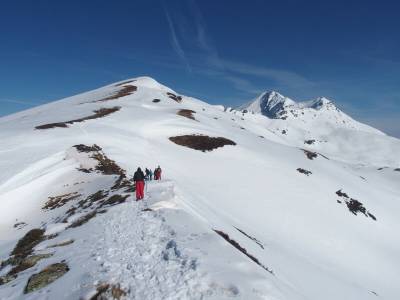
176 45
205 59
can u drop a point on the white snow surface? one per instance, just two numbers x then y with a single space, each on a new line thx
291 223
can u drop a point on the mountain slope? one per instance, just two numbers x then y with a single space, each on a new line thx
261 219
319 125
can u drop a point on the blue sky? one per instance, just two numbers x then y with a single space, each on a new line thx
220 51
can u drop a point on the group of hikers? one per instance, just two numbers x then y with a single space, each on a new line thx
139 178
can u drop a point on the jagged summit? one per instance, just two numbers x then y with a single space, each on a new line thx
276 106
269 103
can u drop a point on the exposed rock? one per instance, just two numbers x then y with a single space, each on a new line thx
303 171
354 205
46 276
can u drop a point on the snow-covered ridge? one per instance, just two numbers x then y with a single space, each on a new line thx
286 209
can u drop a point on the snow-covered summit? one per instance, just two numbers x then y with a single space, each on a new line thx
276 106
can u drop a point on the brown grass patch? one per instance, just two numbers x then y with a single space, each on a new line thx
114 200
201 142
26 244
125 82
59 201
108 291
46 276
82 220
100 113
62 244
187 113
125 91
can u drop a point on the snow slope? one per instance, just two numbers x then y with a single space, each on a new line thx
320 126
301 238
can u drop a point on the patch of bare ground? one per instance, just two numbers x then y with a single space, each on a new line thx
46 276
397 170
309 142
105 165
187 113
156 100
304 171
84 219
124 91
62 244
241 249
59 201
174 97
26 244
100 113
201 142
125 82
107 291
114 200
354 205
251 238
311 155
22 257
20 225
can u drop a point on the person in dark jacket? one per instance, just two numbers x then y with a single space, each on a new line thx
138 178
147 174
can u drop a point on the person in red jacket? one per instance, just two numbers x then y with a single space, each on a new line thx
157 173
138 178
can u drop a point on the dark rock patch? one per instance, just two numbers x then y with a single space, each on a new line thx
354 205
100 113
251 238
174 97
309 142
397 170
20 225
241 249
303 171
46 276
125 91
147 209
156 100
284 131
87 149
187 113
201 142
310 155
260 136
